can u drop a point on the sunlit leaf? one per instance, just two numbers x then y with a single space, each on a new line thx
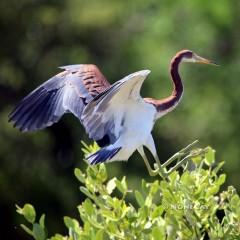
28 212
121 185
158 233
139 198
209 156
221 179
79 174
111 185
99 235
178 207
86 192
88 206
58 237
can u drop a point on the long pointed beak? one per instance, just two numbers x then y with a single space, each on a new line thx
204 61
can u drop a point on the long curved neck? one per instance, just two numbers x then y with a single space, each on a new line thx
169 103
177 92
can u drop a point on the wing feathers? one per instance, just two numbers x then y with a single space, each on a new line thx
24 105
102 155
104 114
68 91
83 91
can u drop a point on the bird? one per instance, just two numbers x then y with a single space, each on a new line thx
115 116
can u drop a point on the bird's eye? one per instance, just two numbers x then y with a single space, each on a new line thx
189 55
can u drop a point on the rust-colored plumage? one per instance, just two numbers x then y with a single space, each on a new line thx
167 104
93 79
68 91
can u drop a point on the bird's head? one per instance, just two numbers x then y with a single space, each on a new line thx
189 56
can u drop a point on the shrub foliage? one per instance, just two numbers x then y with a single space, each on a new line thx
184 206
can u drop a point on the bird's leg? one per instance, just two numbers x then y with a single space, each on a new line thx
151 146
152 172
161 170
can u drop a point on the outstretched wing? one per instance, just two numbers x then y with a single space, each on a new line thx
103 117
68 91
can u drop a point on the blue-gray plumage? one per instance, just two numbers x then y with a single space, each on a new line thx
68 91
115 116
103 155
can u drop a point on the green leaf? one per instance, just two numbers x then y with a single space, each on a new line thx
148 201
73 227
111 185
139 198
58 237
155 185
218 167
197 160
79 175
87 149
99 235
42 221
235 200
188 179
121 186
209 156
124 184
86 192
212 190
71 223
148 225
221 179
158 211
38 232
112 227
177 208
108 215
144 187
143 213
158 233
102 174
28 212
88 206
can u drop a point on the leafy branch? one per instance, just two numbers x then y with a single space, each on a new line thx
183 206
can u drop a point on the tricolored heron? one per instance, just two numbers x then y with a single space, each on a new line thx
115 116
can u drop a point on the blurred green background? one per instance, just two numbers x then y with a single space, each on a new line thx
121 37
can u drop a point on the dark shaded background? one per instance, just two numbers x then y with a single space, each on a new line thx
120 37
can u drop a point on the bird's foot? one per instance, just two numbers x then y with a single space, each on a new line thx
181 159
159 170
191 154
154 172
182 153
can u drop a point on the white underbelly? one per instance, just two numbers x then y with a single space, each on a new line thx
139 120
137 126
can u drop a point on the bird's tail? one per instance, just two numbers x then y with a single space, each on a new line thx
102 155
